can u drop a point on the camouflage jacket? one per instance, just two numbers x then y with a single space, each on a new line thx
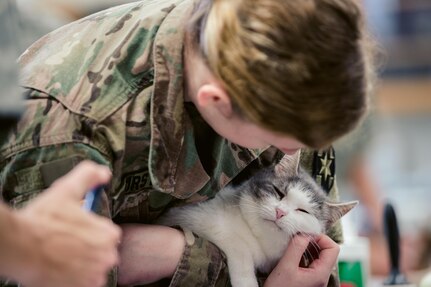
109 88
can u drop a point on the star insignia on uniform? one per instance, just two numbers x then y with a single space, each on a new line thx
324 168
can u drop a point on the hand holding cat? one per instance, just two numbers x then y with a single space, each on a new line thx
59 243
288 271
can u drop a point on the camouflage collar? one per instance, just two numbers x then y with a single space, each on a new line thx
167 110
169 119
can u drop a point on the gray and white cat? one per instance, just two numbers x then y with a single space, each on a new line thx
252 223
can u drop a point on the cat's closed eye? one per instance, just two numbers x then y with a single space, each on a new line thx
302 210
279 193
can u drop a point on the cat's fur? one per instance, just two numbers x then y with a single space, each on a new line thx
253 223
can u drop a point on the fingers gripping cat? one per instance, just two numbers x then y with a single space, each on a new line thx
253 223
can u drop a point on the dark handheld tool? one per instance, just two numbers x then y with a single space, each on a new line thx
92 199
393 240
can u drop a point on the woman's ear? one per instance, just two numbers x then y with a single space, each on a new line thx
212 96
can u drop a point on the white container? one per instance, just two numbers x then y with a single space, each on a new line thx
354 257
353 262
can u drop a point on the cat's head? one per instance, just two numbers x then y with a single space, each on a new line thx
288 199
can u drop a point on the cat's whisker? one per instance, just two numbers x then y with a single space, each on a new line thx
313 242
293 227
309 257
305 259
315 246
306 255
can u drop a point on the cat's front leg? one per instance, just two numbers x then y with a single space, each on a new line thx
241 268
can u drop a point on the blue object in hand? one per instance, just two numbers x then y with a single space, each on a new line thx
92 199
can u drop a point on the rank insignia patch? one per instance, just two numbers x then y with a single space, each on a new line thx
324 168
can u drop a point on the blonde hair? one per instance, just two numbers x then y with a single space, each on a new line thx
295 67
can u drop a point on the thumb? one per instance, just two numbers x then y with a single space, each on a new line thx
294 251
85 176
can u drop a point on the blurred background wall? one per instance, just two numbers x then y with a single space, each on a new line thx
389 157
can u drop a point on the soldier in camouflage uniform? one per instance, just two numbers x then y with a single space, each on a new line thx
110 88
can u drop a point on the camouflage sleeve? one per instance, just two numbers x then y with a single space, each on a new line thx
202 264
48 141
26 174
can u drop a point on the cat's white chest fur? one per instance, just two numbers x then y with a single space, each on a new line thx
240 232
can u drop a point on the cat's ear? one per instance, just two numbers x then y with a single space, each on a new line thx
338 210
288 165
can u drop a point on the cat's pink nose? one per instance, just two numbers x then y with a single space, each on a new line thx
279 213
